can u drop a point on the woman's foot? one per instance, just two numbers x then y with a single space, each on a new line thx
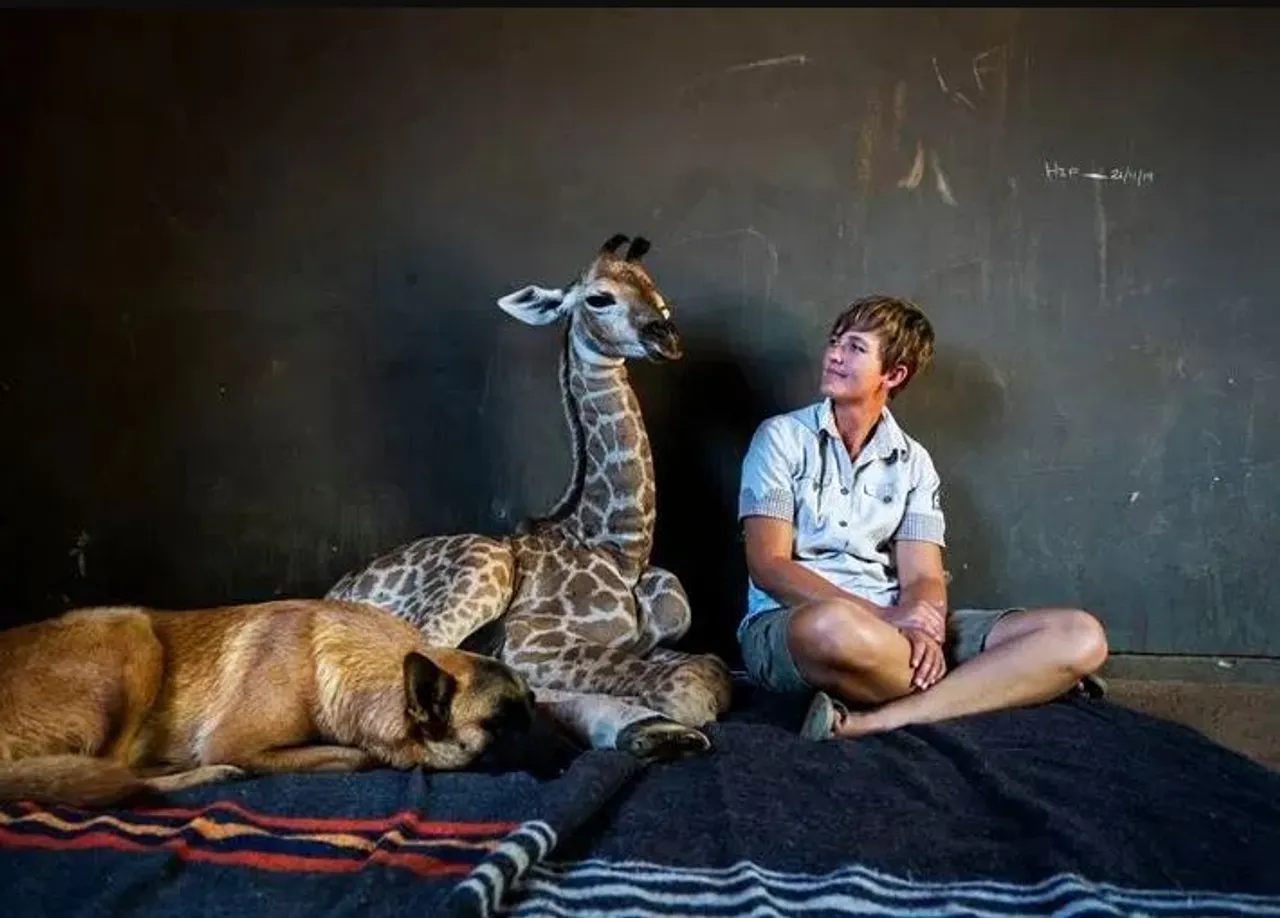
862 724
825 718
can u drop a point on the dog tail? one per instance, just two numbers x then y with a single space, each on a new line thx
74 780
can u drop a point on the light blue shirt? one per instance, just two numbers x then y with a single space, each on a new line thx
846 512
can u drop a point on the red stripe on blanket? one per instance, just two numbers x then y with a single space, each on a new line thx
420 864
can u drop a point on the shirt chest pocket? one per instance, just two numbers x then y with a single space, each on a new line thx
828 509
878 506
813 504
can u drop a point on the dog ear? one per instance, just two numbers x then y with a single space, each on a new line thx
428 694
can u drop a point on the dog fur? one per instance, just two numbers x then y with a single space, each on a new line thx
99 705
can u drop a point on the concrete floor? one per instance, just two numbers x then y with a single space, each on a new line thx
1234 702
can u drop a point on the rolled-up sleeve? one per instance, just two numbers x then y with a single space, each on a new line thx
924 520
766 484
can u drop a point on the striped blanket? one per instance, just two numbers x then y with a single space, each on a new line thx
1079 807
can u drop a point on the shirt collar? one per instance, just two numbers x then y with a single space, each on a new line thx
887 441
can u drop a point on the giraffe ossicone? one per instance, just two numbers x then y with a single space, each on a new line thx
570 599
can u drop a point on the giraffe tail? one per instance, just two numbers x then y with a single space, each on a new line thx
75 780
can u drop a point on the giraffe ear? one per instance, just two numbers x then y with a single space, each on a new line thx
534 305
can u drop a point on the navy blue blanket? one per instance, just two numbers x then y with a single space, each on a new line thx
1076 807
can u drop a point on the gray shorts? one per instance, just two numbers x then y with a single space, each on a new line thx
769 662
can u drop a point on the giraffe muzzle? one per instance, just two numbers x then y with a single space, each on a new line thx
661 341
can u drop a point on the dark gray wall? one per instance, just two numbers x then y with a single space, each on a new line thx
251 263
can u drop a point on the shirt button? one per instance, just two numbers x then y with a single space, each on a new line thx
844 490
888 498
843 523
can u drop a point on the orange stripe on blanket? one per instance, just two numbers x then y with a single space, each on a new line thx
405 818
420 864
216 830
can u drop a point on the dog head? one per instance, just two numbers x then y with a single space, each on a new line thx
461 704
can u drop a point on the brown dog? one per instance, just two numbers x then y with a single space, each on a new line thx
100 704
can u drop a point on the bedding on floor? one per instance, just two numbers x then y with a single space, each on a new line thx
1077 807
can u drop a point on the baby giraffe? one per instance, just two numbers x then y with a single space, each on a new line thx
570 600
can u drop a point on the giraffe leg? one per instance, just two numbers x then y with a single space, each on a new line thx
448 586
609 722
665 617
698 682
664 609
691 690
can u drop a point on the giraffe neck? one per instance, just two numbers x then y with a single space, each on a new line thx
609 501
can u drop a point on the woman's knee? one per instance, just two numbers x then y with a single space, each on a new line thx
1080 637
835 632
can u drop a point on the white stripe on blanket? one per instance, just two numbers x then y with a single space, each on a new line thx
640 889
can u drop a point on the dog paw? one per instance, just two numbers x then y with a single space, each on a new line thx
660 740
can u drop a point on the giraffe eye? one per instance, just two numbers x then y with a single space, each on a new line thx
600 300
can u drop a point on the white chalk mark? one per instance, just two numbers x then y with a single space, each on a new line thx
912 178
786 60
942 84
979 71
940 179
1100 225
1125 175
771 275
965 99
799 59
1134 496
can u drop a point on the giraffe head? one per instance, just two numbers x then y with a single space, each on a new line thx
614 308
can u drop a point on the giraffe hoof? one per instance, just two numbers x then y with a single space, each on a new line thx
660 740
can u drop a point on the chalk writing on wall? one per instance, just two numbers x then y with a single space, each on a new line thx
1125 175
